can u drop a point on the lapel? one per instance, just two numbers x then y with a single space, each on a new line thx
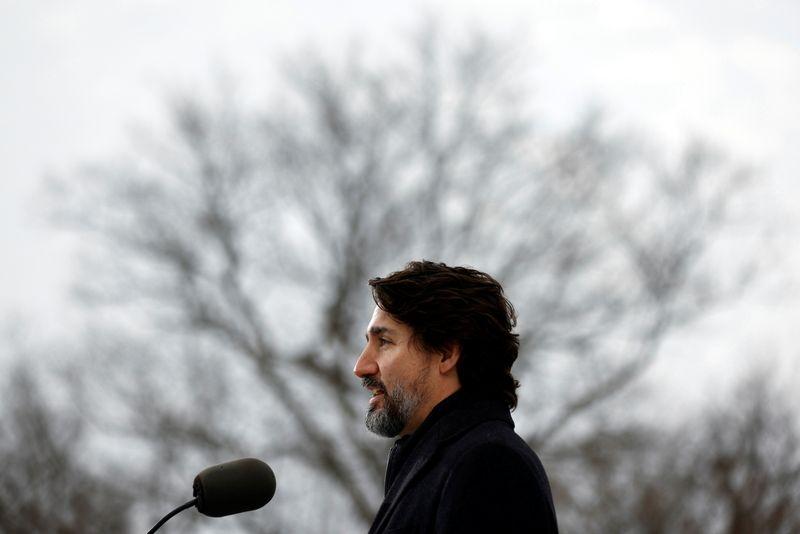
443 431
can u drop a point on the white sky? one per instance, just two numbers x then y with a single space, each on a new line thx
75 75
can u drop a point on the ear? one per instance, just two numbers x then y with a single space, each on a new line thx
449 358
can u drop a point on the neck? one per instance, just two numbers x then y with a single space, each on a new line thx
427 406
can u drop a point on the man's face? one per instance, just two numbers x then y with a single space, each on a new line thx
397 373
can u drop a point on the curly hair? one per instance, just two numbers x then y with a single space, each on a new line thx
447 306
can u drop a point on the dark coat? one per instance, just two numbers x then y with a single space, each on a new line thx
465 470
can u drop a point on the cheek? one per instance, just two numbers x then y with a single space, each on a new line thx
402 375
398 363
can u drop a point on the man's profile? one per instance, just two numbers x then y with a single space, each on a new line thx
438 362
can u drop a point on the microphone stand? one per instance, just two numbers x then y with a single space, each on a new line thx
177 510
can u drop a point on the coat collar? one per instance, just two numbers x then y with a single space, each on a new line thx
461 413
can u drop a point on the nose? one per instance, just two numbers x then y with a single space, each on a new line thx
365 364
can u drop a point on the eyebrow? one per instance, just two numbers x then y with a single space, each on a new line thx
378 330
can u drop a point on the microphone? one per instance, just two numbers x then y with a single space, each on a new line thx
234 487
229 488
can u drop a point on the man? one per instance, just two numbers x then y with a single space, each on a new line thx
438 363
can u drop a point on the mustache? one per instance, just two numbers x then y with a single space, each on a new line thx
372 382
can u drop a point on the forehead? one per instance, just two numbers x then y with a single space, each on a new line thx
382 320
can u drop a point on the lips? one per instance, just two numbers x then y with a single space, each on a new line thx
377 396
375 387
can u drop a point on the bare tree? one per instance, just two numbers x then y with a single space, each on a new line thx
238 244
733 469
45 483
745 471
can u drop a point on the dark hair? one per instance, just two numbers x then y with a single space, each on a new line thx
446 306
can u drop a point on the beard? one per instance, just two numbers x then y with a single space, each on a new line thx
398 406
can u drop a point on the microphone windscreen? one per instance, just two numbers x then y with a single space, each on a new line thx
234 487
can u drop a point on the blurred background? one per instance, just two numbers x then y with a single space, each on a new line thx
193 195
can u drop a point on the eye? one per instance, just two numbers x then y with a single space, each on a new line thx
383 341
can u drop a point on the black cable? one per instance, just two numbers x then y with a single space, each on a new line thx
177 510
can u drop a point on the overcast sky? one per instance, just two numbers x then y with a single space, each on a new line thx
76 74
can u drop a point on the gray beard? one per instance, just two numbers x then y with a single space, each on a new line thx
398 407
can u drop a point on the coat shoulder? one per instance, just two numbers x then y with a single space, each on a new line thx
495 481
495 448
491 438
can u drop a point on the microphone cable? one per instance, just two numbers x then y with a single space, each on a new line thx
177 510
